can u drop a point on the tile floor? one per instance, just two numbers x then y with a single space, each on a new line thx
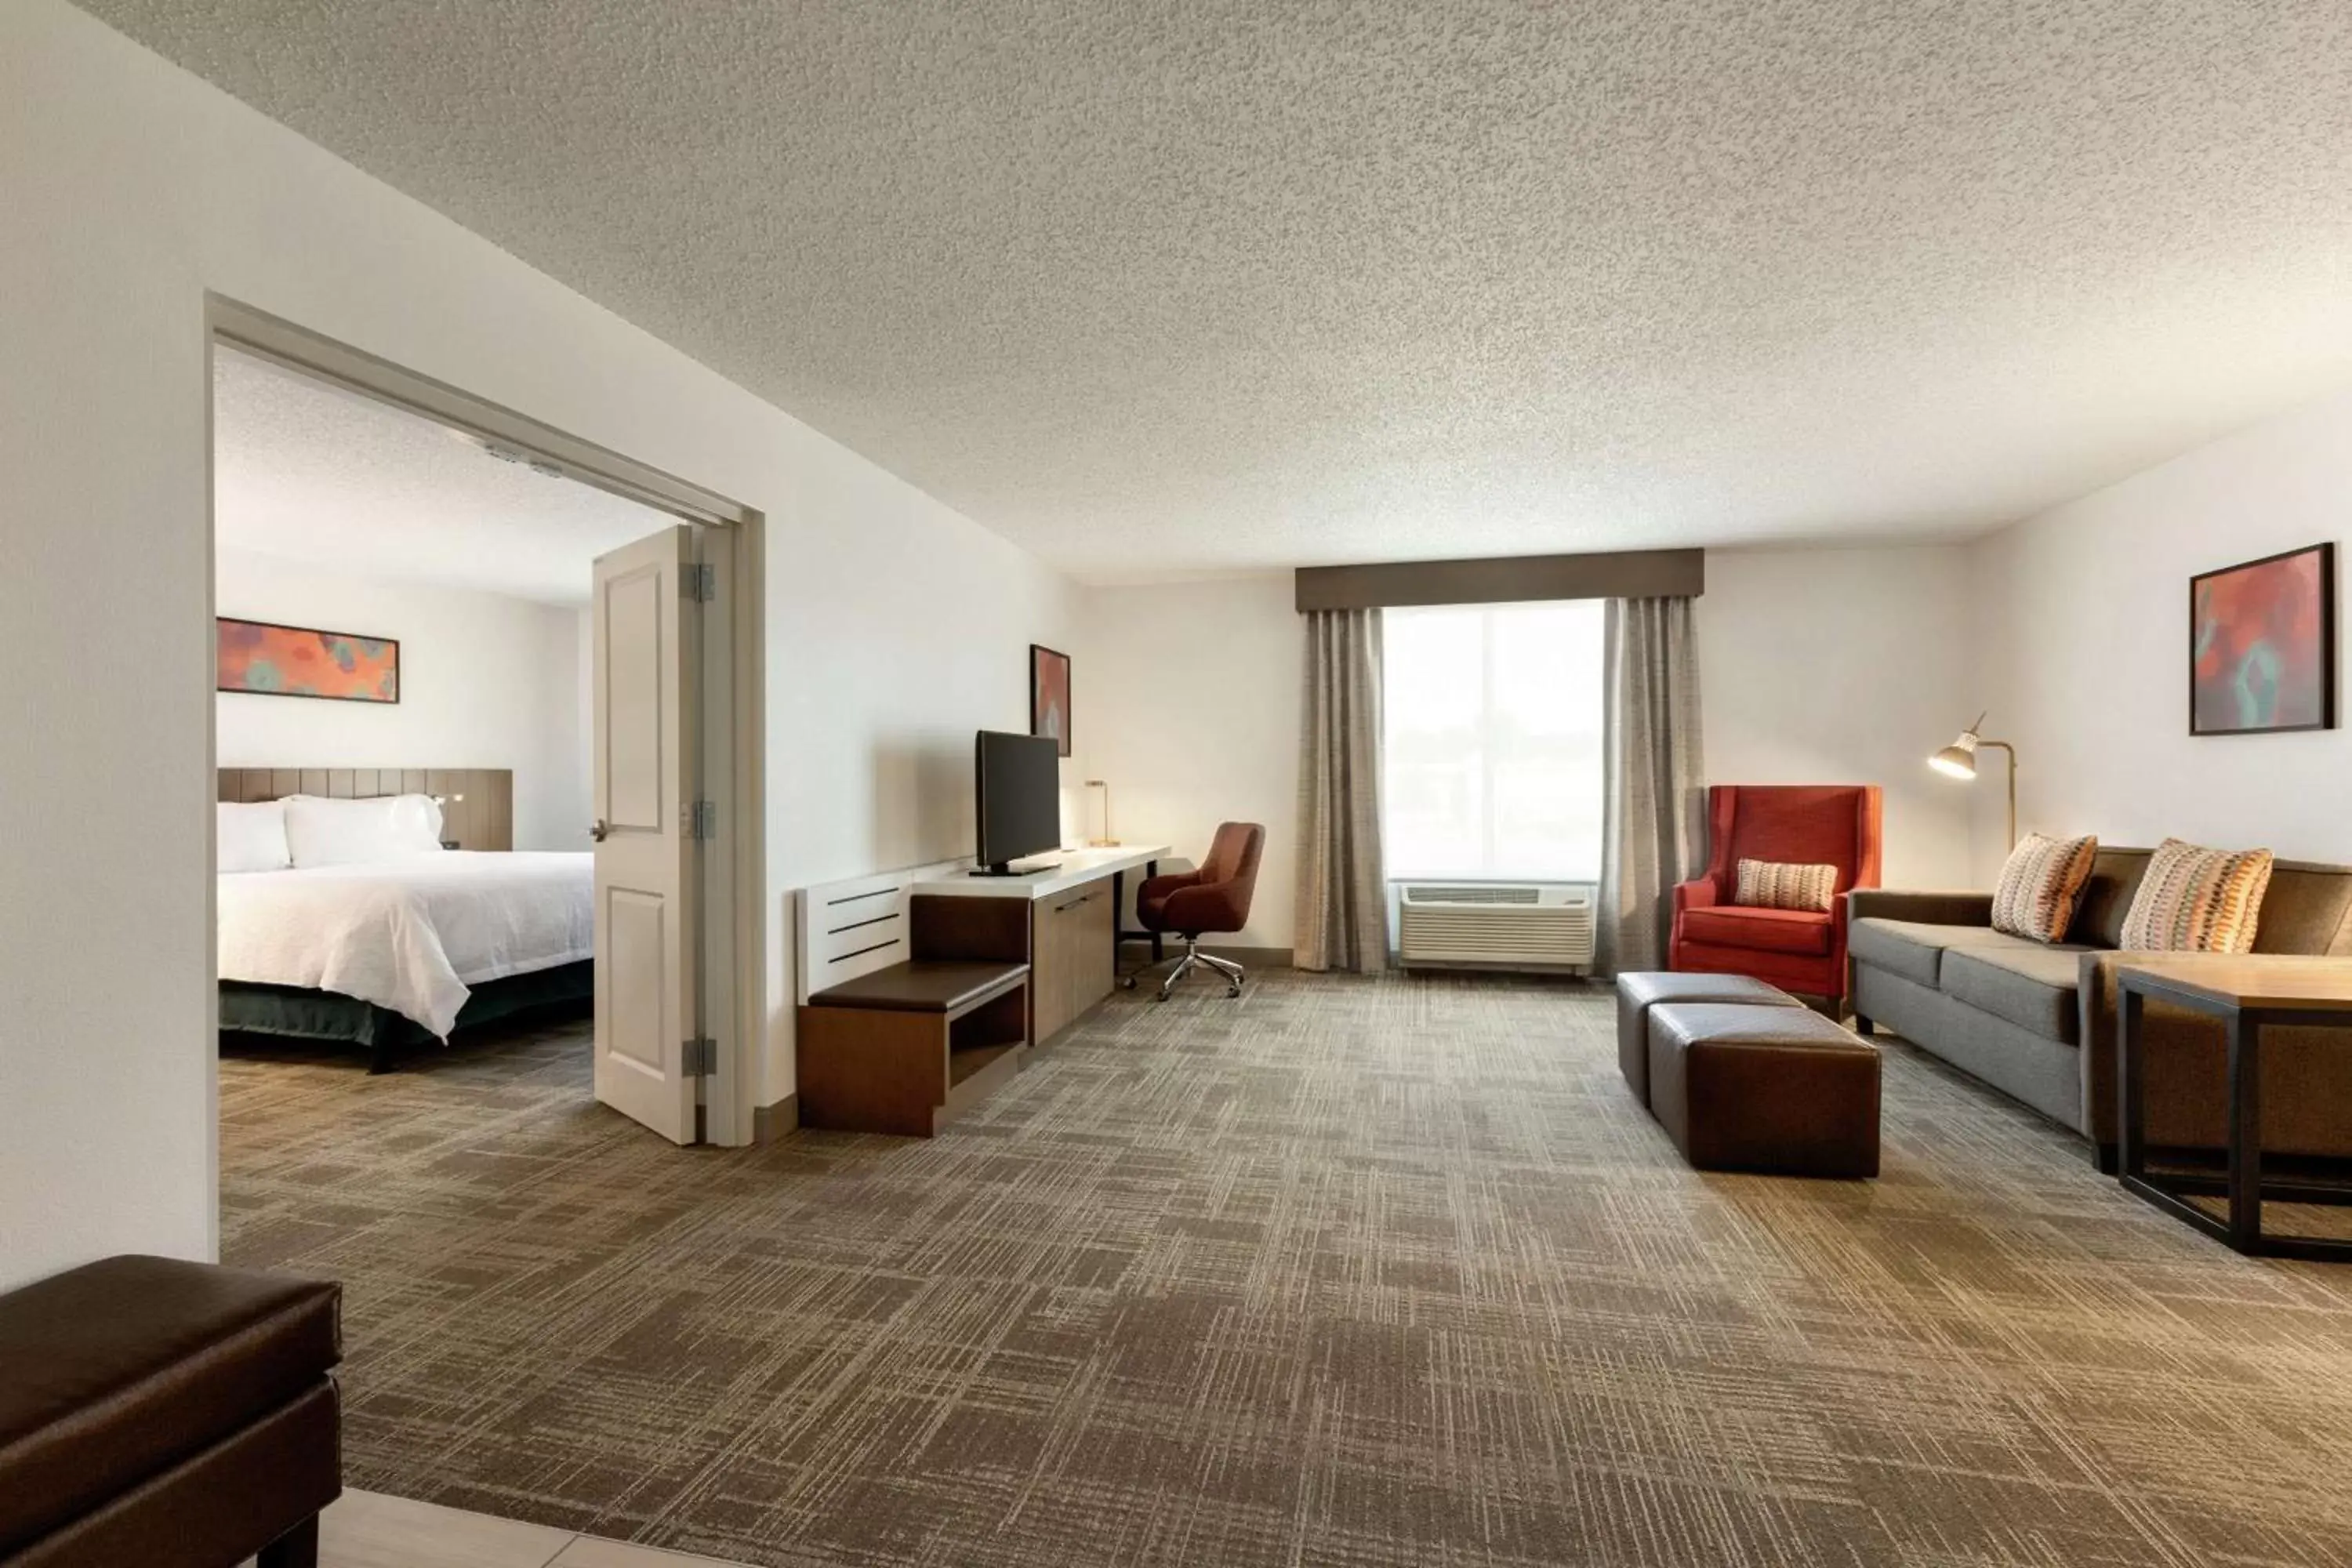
369 1530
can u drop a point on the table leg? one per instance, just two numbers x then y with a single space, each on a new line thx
1151 869
1118 917
2131 1112
2245 1134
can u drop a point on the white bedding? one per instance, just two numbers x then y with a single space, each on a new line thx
409 935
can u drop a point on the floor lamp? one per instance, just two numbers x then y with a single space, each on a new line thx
1959 760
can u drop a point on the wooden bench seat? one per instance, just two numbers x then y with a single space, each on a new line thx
905 1047
924 986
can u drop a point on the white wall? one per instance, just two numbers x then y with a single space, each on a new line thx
1846 667
1186 700
132 188
486 681
1822 665
2085 634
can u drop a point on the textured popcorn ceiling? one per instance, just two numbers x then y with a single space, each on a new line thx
1154 287
306 471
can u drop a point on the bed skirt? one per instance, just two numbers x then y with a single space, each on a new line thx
300 1012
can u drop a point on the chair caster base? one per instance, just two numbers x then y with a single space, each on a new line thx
1193 958
1127 983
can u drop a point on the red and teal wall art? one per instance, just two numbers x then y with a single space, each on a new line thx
2262 645
296 661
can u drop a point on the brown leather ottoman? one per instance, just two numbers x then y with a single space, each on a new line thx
156 1411
1778 1089
1643 989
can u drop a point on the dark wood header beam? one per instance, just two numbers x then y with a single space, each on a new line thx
1616 575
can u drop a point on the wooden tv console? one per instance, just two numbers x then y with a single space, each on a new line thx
924 992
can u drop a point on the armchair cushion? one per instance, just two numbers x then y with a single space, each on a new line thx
1804 931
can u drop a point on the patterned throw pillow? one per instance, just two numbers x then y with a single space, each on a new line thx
2198 900
2039 883
1769 885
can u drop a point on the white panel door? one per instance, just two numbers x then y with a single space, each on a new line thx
646 978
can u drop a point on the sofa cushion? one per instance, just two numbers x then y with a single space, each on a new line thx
1760 931
2195 900
2307 909
2107 896
2032 986
1913 949
2039 884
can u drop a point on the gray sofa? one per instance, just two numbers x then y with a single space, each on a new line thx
2039 1022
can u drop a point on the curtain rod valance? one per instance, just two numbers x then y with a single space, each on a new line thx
1508 579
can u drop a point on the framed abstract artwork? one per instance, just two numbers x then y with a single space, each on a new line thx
272 660
2262 645
1049 695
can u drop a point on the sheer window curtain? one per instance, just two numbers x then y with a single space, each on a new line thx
1655 777
1343 916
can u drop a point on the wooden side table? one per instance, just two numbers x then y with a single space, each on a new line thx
2245 993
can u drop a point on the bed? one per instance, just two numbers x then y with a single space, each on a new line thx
371 932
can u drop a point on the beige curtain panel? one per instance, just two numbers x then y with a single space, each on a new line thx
1653 827
1343 916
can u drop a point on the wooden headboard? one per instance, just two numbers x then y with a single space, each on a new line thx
477 804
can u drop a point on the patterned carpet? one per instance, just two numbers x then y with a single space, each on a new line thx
1346 1272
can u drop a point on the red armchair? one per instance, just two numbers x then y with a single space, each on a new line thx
1797 950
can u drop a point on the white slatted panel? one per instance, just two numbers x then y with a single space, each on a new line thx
849 929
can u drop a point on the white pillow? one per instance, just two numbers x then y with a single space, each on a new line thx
250 836
322 832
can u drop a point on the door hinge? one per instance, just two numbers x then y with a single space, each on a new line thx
702 1057
699 582
700 818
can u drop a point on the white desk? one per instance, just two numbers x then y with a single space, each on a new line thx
1074 868
1073 924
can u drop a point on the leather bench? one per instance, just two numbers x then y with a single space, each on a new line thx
156 1411
1638 990
1742 1087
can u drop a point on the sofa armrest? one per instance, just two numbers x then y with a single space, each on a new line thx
1935 909
1697 895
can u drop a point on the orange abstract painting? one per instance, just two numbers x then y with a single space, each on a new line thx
295 661
2262 645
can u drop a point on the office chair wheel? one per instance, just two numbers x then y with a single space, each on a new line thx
1232 991
1127 983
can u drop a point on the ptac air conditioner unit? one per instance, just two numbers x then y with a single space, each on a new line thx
1543 929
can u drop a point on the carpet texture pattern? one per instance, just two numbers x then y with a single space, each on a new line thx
1349 1271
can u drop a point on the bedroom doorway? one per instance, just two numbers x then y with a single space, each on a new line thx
663 719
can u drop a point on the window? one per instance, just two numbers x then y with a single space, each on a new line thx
1492 740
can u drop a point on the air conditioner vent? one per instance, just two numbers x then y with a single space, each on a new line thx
1543 928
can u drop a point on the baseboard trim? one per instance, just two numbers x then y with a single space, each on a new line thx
770 1122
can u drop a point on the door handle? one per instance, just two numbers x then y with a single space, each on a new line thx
597 830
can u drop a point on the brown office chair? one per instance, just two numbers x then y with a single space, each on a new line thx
1216 898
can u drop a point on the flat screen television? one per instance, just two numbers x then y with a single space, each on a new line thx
1017 781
